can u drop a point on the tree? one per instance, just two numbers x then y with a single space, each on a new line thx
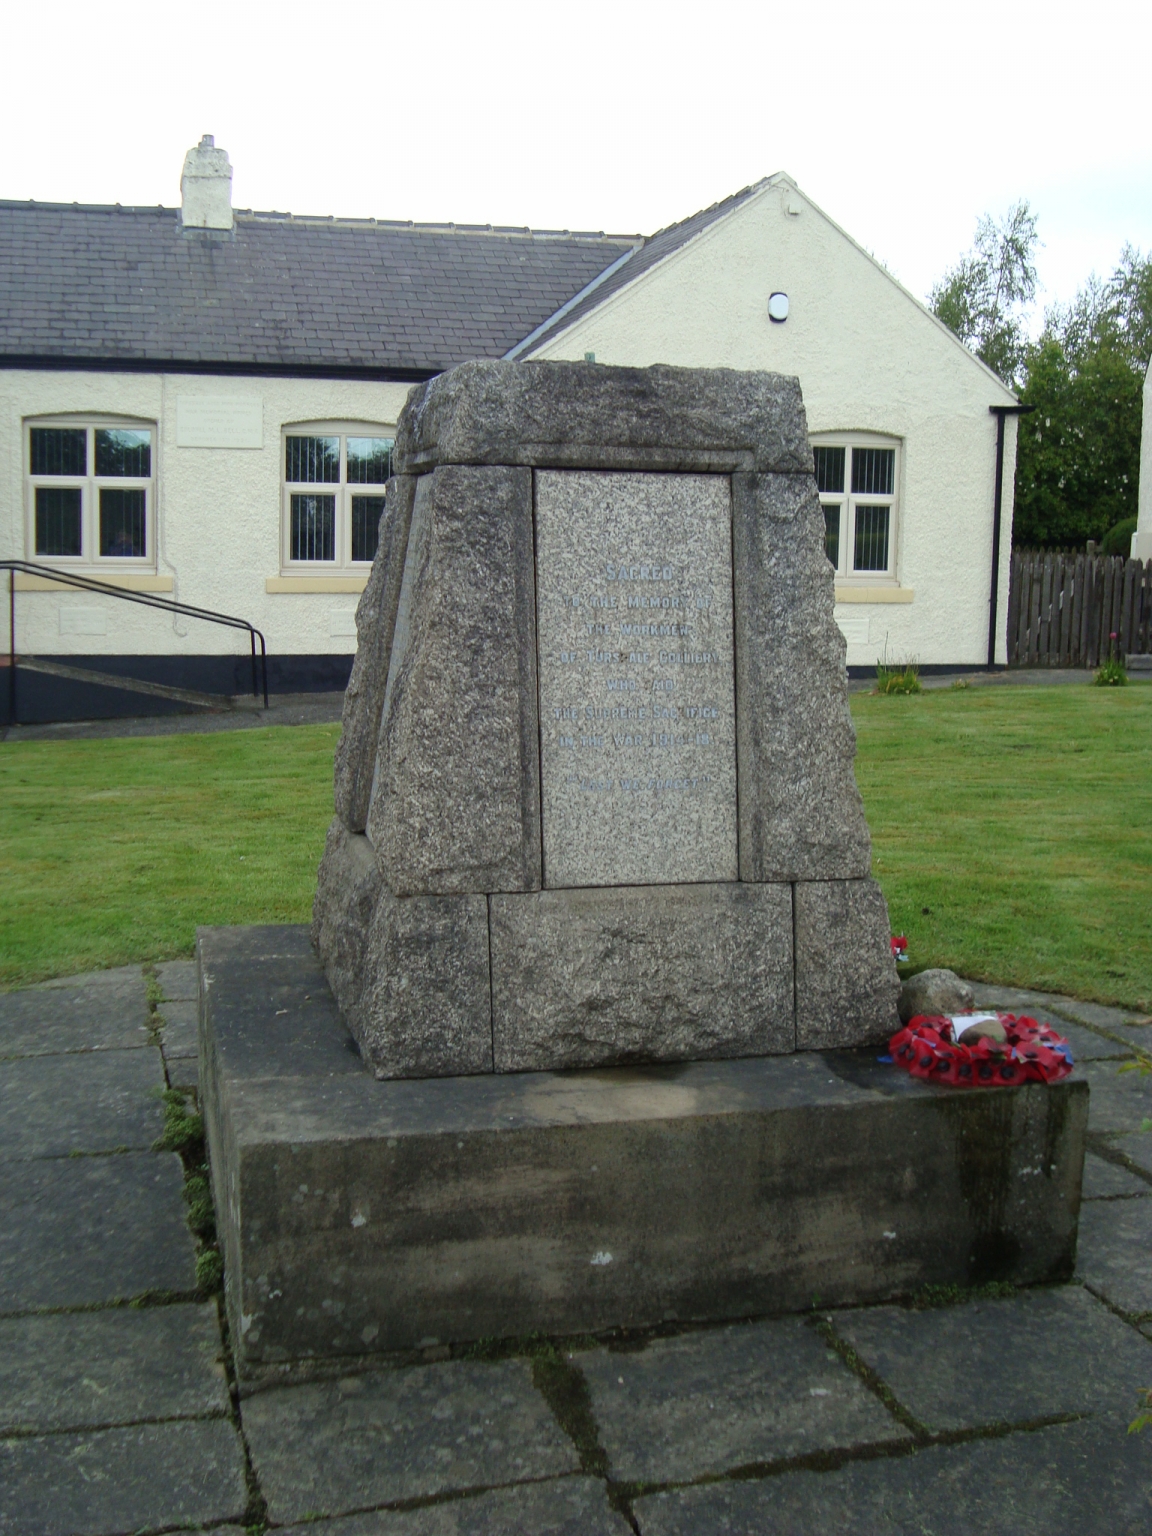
1078 455
984 296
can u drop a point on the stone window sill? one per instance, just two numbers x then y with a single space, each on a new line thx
847 593
316 583
127 581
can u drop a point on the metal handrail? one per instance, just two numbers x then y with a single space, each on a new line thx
147 599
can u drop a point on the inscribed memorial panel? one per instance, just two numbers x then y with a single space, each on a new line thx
637 702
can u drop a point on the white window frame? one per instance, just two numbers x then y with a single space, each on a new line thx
848 501
90 486
342 491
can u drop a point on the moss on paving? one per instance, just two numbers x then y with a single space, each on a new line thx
1012 834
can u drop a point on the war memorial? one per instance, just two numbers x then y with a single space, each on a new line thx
585 1032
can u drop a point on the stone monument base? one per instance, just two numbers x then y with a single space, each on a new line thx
360 1216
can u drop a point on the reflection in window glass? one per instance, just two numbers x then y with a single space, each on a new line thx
832 534
366 512
121 454
312 460
58 520
872 471
871 552
122 524
369 460
829 470
59 450
312 535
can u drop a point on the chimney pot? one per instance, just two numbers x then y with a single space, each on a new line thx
206 187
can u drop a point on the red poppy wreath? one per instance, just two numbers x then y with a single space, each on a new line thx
981 1050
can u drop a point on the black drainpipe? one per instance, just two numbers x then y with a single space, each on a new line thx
999 411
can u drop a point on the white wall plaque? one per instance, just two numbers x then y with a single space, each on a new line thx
341 622
854 627
219 421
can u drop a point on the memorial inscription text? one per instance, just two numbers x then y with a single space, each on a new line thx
637 701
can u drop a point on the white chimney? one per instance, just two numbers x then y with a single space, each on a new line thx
206 187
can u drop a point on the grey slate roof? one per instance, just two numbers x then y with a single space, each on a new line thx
128 287
650 251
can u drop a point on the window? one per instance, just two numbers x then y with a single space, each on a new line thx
334 480
90 493
857 484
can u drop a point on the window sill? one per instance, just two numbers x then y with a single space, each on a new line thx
128 581
316 583
852 593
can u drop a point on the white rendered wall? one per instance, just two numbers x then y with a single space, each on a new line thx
1142 538
217 515
869 359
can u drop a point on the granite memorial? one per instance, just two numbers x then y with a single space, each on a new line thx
596 907
595 801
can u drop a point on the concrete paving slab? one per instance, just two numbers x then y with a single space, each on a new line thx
1136 1146
1009 1361
570 1506
98 1101
1085 1479
1108 1181
707 1402
177 980
149 1477
179 1028
77 1231
184 1073
333 1447
76 1370
1120 1101
107 1010
1087 1045
1114 1255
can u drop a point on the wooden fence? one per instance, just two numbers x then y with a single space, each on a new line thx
1063 608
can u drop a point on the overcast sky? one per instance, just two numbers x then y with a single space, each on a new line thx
904 122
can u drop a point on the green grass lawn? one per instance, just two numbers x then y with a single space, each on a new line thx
114 851
1012 832
1020 818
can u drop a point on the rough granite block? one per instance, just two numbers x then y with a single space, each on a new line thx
375 625
587 416
455 807
643 973
384 1436
846 981
801 815
411 974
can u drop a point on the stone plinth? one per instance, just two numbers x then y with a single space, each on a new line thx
594 794
359 1216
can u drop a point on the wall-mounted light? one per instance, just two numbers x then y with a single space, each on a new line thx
778 307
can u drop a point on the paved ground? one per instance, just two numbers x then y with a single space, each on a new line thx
119 1411
283 709
323 708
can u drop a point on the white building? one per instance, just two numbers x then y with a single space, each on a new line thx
199 403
